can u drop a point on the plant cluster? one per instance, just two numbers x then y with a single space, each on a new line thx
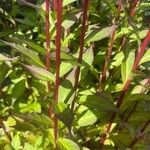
74 74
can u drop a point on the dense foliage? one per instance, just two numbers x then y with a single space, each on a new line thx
74 75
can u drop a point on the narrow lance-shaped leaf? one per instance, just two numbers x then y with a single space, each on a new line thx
26 52
40 73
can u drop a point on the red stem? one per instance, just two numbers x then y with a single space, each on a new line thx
127 84
7 133
125 119
82 35
57 64
133 7
55 4
141 134
112 40
47 24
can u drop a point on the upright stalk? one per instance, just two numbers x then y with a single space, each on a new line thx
47 24
7 133
126 86
57 64
109 53
82 35
125 119
141 134
55 4
133 7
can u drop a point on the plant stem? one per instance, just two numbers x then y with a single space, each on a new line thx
141 134
57 64
4 129
133 7
47 24
126 85
55 4
82 35
112 40
125 119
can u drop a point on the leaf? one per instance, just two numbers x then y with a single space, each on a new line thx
117 60
86 118
4 58
40 73
88 57
67 2
18 89
66 144
102 101
134 98
64 68
64 90
139 117
28 146
111 5
146 57
15 143
70 18
96 34
26 52
126 67
37 119
4 68
64 114
31 44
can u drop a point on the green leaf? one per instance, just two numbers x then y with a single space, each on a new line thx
18 89
37 119
88 57
28 146
4 70
30 43
146 57
65 67
40 73
4 58
15 143
117 60
133 98
64 114
111 5
100 101
126 67
86 118
139 117
66 144
26 52
96 34
64 90
67 2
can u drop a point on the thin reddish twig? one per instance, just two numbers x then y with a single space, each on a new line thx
125 119
7 133
82 35
47 62
127 84
141 134
59 12
109 53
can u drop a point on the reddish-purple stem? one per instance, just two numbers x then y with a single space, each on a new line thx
112 40
141 134
133 7
125 119
127 84
57 64
7 133
55 4
82 35
47 63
